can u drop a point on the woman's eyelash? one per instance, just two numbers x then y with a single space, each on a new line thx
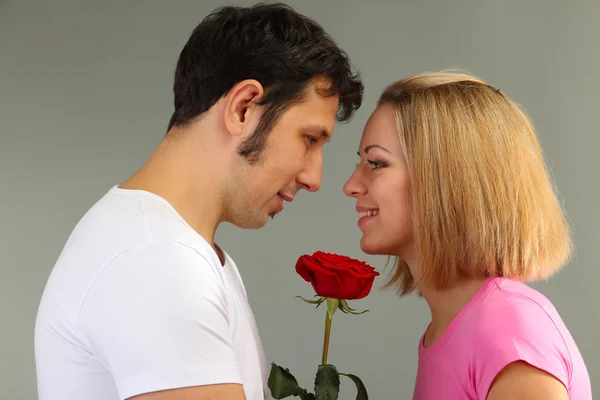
376 164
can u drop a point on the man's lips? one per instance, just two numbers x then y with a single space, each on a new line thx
286 197
281 197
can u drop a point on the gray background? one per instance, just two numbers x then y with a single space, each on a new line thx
85 97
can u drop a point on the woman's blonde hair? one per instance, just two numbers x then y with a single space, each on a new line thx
483 203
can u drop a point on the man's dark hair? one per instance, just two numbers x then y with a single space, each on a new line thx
271 43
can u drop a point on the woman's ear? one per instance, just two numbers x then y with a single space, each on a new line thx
240 104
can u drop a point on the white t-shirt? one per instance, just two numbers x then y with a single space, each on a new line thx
139 302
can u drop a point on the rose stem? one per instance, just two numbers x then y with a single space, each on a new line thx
326 338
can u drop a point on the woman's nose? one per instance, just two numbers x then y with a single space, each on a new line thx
353 187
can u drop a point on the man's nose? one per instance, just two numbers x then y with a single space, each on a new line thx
311 176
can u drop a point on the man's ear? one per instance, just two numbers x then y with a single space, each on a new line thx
240 104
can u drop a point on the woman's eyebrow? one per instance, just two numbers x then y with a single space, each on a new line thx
366 150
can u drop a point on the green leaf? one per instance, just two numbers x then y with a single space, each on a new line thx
360 387
282 383
317 302
307 396
347 309
327 383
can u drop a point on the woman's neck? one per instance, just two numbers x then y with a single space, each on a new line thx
446 305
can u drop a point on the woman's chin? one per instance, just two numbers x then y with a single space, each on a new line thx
369 247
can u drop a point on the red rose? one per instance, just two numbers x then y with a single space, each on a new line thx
336 276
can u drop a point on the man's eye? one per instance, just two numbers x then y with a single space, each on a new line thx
312 140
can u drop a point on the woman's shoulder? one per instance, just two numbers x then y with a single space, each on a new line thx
505 309
510 308
514 322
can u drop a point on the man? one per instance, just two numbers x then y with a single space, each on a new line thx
142 303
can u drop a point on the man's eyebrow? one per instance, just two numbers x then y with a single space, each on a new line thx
366 150
317 129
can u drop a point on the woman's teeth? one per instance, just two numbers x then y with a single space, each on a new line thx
369 213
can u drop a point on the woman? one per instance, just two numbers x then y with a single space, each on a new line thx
452 181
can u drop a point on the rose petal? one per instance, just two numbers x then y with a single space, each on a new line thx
327 286
303 270
338 276
368 285
351 287
324 282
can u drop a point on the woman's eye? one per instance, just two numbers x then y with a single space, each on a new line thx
312 139
376 164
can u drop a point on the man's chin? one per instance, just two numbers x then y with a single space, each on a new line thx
255 220
256 223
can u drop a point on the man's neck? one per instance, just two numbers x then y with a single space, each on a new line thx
195 195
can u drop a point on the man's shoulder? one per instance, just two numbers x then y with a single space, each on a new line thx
132 216
129 224
125 237
156 277
172 254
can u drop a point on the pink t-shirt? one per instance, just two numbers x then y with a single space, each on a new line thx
505 321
